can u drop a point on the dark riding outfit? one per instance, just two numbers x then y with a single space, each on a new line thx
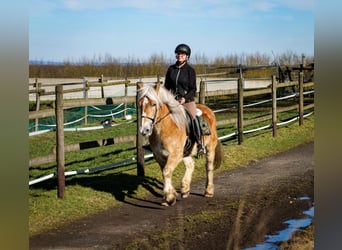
180 79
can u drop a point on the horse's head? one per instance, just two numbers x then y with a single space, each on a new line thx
152 100
149 106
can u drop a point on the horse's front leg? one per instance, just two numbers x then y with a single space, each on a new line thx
186 181
170 194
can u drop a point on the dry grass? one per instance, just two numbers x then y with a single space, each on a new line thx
303 240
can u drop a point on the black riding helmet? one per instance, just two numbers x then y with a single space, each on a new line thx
183 48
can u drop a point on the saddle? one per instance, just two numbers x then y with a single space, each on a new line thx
191 139
203 123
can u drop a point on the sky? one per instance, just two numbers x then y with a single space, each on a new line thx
74 30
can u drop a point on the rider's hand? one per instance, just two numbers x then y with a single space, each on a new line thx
182 100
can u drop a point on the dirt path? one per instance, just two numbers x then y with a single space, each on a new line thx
249 203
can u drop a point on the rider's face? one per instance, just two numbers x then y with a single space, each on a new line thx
181 57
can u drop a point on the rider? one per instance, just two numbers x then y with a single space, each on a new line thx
180 79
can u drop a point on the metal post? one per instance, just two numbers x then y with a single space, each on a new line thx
102 90
240 111
301 98
38 86
274 105
126 94
85 95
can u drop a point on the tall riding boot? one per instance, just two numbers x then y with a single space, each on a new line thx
198 136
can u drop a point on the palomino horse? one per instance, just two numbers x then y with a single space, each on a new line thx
164 122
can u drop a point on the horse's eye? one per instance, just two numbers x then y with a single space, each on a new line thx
154 104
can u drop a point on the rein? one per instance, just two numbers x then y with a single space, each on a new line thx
162 118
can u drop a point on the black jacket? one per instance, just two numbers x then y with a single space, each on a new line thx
181 81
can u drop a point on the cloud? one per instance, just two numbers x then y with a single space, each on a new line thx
263 6
302 5
200 8
41 7
79 5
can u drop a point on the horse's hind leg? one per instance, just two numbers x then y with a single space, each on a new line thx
186 181
209 190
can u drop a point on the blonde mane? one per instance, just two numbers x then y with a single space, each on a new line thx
165 97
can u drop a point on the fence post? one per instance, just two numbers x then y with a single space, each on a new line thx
85 95
240 110
102 90
202 92
38 86
274 105
126 94
301 98
140 149
60 141
303 60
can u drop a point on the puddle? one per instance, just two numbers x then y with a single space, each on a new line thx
272 241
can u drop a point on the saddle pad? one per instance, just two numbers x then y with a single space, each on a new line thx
198 112
203 123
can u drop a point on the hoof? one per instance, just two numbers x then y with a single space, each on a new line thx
170 202
173 202
186 194
165 203
208 195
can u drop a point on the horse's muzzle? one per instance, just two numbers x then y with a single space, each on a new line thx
145 131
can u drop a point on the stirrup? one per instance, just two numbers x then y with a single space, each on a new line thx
200 150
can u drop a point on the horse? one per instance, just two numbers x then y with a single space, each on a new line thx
164 121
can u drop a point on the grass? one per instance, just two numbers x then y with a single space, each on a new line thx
303 240
89 194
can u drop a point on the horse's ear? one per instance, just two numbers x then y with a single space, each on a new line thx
140 85
157 87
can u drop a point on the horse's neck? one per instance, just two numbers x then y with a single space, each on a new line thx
169 120
162 118
163 114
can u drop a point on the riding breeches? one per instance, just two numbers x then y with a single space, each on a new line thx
191 107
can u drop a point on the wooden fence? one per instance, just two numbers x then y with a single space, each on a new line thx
61 104
84 102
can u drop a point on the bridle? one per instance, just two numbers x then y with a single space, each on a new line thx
153 119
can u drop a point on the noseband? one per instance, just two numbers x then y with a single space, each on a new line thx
153 119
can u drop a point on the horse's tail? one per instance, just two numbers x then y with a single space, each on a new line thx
218 155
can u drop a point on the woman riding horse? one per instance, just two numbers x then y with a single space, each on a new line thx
180 79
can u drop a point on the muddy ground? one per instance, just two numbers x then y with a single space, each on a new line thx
249 203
